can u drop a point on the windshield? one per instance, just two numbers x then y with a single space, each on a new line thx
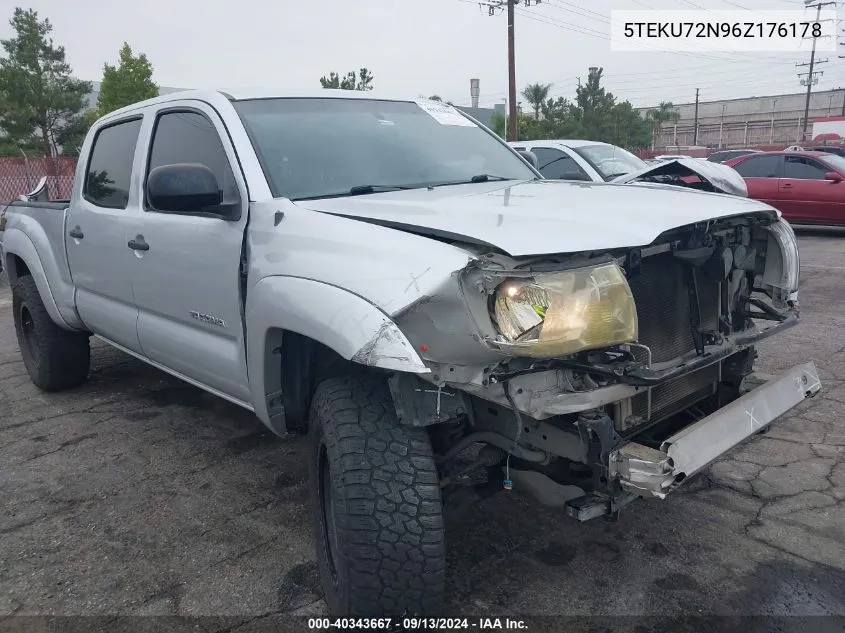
836 161
323 147
610 161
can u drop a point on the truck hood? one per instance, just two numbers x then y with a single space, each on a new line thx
541 216
718 178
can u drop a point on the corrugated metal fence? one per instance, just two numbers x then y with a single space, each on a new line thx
20 175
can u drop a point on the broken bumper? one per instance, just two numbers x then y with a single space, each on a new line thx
649 472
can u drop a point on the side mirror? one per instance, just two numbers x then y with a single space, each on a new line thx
531 157
833 176
188 187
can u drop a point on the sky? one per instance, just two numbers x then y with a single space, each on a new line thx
413 47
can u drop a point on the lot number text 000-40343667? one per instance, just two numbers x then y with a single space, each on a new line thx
717 30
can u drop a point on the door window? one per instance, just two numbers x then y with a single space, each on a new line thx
760 167
555 164
110 165
189 137
803 168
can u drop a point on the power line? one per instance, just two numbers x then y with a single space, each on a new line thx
494 7
812 77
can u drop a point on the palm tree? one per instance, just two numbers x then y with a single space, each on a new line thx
536 95
664 113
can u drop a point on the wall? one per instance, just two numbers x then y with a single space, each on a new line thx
749 121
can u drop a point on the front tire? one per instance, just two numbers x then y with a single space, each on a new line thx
55 359
376 502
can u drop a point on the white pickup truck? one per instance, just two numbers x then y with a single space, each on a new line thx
393 279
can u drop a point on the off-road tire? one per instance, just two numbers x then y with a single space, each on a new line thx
55 359
386 534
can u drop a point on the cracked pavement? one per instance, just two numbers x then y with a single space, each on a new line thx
140 495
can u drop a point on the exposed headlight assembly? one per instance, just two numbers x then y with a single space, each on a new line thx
560 313
782 263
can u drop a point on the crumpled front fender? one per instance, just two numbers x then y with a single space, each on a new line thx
344 322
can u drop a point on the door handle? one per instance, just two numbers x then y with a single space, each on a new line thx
138 246
786 186
76 233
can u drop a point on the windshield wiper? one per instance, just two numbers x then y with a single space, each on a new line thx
359 190
474 179
487 178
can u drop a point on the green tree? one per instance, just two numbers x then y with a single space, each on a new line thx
362 81
127 83
665 112
40 103
594 107
536 95
629 128
435 98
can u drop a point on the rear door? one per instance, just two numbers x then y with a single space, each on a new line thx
762 175
187 279
99 222
807 195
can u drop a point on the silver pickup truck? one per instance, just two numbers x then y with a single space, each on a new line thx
393 279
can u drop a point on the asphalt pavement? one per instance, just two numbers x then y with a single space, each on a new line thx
139 495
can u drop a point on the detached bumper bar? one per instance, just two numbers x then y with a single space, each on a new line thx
648 472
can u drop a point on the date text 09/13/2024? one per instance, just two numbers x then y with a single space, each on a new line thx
417 624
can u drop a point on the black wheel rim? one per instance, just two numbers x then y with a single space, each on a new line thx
28 331
327 498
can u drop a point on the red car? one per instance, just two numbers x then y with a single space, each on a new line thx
807 187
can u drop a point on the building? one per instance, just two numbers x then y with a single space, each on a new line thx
750 121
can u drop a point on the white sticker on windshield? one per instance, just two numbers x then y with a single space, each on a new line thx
443 113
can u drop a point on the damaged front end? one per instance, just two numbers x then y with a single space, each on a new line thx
693 173
595 378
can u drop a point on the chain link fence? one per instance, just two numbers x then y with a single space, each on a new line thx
20 175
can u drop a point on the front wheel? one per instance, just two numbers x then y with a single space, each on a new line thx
376 503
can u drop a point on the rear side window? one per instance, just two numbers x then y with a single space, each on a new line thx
189 137
110 165
761 167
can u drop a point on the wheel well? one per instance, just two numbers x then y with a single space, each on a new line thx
294 365
16 268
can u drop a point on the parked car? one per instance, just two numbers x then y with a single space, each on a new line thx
721 156
581 160
394 280
830 149
602 162
665 157
805 186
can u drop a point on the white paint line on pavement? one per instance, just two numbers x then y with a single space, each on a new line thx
823 267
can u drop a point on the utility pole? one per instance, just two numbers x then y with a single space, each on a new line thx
494 7
812 77
695 122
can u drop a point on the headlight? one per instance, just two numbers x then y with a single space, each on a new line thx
782 262
560 313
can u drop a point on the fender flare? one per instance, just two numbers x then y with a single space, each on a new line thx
344 322
18 243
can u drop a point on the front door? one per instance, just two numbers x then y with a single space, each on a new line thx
99 222
807 196
187 274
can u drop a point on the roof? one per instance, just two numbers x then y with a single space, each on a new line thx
242 94
803 152
568 142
